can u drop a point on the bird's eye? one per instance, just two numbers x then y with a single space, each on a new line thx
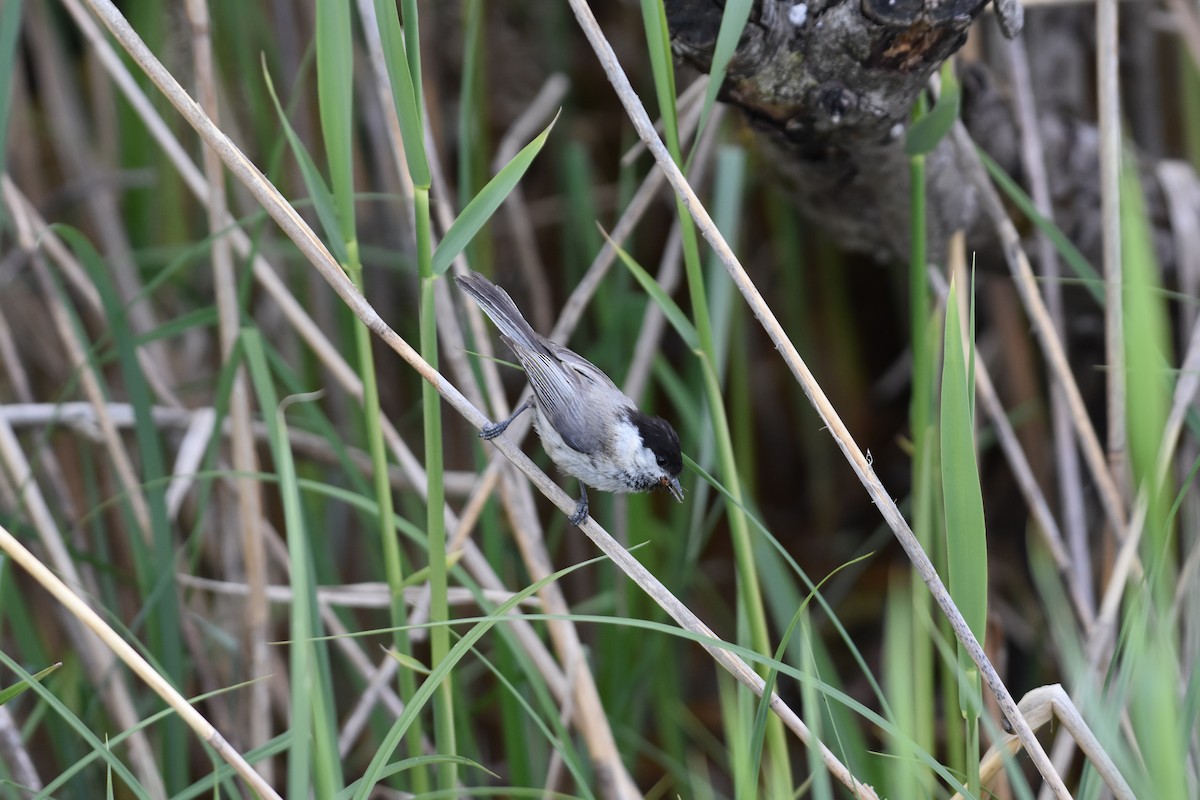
662 462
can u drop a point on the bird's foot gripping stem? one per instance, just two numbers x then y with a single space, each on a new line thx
494 429
581 508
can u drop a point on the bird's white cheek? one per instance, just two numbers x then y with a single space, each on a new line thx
634 456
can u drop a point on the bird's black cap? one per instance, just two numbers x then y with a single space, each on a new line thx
658 435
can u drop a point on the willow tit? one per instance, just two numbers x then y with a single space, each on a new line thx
590 429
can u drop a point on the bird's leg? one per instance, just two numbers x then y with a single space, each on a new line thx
494 429
581 508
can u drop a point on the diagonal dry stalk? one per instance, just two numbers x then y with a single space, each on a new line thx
518 499
75 147
1052 348
592 722
1070 479
118 700
311 333
314 250
113 641
850 449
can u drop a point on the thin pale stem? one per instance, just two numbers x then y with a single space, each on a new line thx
257 713
1070 479
1051 343
314 250
1109 105
82 612
850 449
294 312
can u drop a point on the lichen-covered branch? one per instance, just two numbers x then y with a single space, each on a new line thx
830 87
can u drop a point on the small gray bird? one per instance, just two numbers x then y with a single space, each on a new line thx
591 430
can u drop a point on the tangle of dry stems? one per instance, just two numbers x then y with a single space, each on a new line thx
520 507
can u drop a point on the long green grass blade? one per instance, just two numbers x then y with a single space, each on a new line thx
10 27
671 310
405 89
966 539
484 204
402 54
323 201
1148 382
375 770
931 128
1078 263
313 763
914 677
763 710
905 777
960 477
733 22
156 568
559 738
412 45
222 772
53 786
79 726
752 657
397 767
335 92
821 785
726 207
658 40
1151 670
473 130
778 778
9 692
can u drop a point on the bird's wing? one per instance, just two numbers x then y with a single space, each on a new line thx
562 381
589 372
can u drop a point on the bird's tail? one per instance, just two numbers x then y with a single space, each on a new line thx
501 309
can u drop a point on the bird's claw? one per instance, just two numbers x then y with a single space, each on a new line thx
492 430
581 513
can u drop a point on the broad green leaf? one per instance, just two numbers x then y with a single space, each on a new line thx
1147 372
966 540
321 198
1154 705
405 92
927 131
679 320
10 692
484 204
335 91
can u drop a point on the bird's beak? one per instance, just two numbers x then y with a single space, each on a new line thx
672 486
